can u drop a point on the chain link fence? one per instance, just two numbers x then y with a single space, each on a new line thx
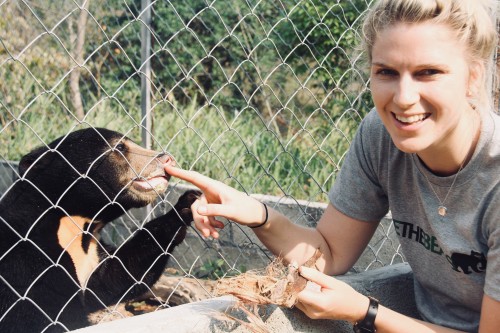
262 95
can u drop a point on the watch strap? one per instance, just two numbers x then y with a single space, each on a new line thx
367 325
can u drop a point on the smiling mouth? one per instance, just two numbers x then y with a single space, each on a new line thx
412 119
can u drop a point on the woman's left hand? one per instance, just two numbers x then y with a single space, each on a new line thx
335 300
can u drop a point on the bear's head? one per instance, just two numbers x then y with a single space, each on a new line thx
95 172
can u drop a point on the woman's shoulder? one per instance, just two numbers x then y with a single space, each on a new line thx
372 119
373 128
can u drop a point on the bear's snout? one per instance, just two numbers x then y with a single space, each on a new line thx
165 158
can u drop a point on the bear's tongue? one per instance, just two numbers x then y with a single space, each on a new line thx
155 183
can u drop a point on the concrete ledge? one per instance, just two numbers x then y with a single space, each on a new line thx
392 285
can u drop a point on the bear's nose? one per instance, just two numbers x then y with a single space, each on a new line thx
165 159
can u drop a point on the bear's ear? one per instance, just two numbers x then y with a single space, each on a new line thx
30 158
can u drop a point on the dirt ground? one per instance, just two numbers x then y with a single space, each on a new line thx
169 291
278 284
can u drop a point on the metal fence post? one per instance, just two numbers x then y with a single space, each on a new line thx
145 79
146 73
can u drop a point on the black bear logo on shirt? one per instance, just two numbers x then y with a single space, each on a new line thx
475 261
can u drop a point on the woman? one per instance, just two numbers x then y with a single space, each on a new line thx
429 152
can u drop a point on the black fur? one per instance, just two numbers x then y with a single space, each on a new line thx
39 287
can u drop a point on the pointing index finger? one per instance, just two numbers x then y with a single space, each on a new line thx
193 177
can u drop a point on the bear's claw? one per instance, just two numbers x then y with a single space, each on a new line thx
183 205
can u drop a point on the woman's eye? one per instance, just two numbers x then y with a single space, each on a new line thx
386 72
429 72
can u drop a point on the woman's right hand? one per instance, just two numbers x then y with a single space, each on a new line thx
219 199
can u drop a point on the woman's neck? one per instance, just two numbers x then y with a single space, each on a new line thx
451 156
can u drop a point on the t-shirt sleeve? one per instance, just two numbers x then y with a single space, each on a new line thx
491 220
357 191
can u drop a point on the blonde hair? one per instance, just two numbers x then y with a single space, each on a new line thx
473 21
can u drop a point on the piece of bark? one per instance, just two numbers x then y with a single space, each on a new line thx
278 284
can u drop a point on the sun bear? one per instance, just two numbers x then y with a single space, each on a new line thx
53 269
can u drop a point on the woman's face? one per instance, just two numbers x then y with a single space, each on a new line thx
419 81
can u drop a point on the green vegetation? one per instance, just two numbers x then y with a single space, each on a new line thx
263 95
217 269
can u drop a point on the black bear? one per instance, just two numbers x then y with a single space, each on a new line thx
53 269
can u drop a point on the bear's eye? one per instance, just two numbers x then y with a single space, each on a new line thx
121 147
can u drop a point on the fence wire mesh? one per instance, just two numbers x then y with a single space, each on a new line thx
263 95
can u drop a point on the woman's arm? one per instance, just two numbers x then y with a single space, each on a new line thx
388 321
340 238
338 300
490 315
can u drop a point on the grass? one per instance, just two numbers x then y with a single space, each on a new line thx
242 148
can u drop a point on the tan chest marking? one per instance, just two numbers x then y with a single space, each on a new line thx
70 235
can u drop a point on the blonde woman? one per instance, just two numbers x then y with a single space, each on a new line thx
429 152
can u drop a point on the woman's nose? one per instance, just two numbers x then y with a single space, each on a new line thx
407 93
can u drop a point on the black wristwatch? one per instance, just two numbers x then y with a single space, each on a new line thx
367 325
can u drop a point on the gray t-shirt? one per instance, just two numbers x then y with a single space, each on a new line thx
455 258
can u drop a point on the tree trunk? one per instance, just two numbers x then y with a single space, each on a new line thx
74 79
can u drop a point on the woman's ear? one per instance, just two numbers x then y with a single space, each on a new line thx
476 78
